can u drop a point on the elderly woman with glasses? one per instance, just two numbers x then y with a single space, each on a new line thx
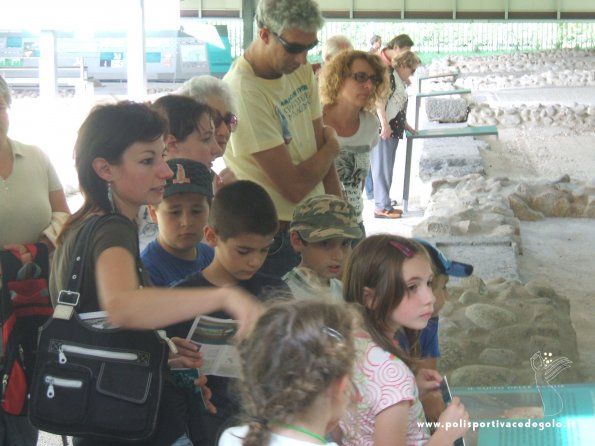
217 95
351 84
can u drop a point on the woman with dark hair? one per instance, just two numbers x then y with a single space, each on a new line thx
119 159
191 133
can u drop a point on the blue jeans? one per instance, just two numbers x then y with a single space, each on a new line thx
281 258
369 185
382 162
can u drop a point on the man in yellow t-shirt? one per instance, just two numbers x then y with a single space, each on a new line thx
280 142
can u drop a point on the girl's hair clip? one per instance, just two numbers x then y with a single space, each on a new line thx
405 250
333 333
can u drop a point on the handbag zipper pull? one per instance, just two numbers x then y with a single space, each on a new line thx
50 393
169 342
61 356
4 384
22 355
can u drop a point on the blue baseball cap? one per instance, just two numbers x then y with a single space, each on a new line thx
443 265
189 176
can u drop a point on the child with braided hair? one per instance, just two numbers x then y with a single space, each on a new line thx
297 365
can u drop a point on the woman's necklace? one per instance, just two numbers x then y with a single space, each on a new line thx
303 431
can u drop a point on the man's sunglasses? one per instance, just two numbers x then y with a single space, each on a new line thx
230 120
294 48
361 78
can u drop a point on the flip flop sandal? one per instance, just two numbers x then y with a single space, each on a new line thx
386 213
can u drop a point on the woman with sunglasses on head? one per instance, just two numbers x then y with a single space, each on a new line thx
351 84
217 95
393 123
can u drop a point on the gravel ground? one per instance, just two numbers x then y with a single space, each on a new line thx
47 439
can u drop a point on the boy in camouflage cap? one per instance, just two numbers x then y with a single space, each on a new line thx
322 231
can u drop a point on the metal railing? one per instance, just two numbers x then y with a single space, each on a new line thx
447 37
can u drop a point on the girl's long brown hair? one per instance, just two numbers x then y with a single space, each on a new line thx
377 263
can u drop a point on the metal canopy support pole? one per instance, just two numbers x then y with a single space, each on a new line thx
48 77
136 60
407 174
248 19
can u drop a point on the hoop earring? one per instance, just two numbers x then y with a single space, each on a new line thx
110 198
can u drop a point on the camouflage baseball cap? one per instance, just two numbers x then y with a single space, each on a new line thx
325 216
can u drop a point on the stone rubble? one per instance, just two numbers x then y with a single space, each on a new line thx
447 109
568 67
576 116
488 333
491 327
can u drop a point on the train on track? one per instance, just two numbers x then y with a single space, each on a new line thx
171 55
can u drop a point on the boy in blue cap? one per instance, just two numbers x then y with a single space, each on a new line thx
181 217
443 269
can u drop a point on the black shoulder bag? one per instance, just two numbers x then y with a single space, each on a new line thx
89 381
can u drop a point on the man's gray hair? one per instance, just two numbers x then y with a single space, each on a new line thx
334 45
200 88
5 91
281 15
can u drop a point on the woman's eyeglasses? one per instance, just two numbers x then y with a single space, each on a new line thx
294 48
230 120
362 78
